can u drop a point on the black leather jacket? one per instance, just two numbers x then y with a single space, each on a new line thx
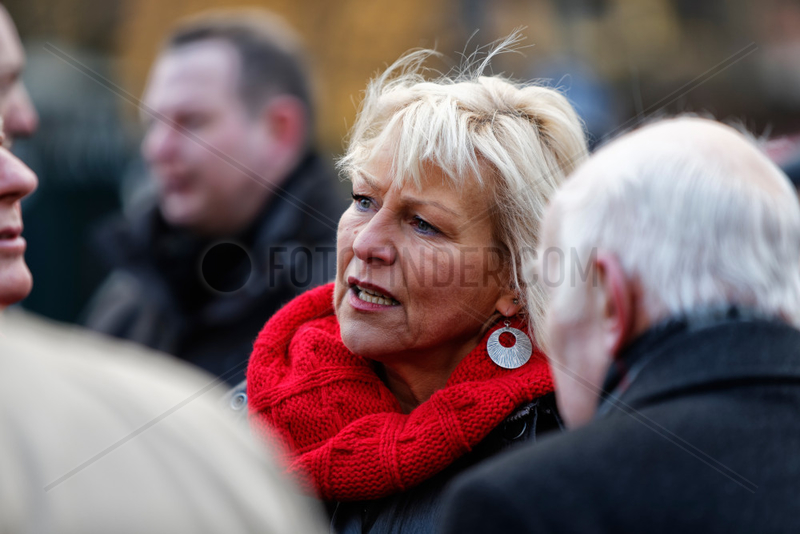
417 510
157 297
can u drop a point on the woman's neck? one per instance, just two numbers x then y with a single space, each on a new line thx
415 379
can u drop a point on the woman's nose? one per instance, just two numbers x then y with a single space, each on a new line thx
374 243
16 179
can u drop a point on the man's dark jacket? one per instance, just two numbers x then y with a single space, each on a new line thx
162 293
700 434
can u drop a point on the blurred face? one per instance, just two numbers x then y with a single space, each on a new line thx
16 182
417 279
574 325
18 114
202 141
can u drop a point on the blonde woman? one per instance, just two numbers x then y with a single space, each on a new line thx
421 358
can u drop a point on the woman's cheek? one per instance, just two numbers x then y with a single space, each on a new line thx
431 268
471 268
347 231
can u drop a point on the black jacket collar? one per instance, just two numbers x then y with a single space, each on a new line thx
714 347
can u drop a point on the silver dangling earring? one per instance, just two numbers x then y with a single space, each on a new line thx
511 357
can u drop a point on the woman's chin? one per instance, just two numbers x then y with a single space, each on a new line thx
365 341
354 338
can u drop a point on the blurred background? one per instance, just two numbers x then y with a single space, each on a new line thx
619 61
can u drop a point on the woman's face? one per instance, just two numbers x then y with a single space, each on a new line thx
417 275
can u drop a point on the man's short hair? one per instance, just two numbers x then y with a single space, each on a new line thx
699 225
273 60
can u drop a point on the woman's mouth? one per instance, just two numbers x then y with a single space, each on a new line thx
367 296
373 297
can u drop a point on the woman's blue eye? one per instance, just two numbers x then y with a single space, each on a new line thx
425 227
363 203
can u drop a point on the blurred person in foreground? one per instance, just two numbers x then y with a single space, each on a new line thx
421 358
90 443
19 116
16 180
676 356
246 214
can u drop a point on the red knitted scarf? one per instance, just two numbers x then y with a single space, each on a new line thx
345 433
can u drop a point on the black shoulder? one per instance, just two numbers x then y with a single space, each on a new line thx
535 487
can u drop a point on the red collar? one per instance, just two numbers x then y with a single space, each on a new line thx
345 434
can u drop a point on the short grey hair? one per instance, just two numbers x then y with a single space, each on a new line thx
517 140
698 226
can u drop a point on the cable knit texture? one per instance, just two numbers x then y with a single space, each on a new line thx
344 431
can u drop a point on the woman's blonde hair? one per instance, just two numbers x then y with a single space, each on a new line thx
517 140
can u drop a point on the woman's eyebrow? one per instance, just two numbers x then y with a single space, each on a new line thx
361 176
417 202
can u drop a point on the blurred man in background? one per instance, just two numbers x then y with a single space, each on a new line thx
675 354
19 116
247 212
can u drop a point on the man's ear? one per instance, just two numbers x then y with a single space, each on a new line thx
286 121
618 302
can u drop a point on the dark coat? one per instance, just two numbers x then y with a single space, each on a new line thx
706 438
417 510
158 296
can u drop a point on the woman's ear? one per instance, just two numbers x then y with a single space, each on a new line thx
509 304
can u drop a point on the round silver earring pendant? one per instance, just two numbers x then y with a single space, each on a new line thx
511 357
